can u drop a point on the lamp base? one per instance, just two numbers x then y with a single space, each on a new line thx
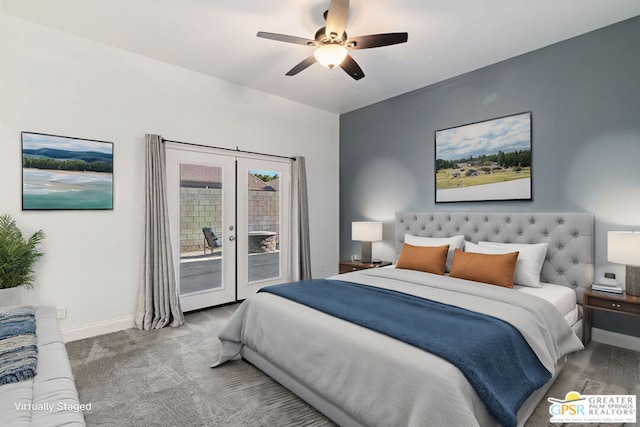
632 280
366 252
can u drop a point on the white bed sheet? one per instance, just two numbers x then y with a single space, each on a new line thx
562 297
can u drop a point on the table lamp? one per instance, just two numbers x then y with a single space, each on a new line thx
623 247
366 232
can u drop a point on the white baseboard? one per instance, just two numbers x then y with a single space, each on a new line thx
614 338
96 329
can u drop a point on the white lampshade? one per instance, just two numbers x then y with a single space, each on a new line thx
623 247
330 55
366 231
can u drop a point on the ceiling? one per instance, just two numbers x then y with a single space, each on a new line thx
218 38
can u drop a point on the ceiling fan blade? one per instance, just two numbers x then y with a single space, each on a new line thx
302 65
352 68
337 18
376 40
286 39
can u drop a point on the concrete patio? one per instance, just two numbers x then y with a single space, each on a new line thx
203 272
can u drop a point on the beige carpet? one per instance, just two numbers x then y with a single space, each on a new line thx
162 378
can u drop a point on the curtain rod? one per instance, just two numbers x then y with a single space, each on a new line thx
237 150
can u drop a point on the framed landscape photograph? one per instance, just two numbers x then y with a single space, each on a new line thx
489 160
60 172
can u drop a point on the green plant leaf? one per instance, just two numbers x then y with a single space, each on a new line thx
17 254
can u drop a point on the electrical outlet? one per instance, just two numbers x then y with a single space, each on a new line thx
609 275
62 312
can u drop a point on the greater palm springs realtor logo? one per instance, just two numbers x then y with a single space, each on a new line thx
576 408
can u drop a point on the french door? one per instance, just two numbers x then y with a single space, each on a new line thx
229 220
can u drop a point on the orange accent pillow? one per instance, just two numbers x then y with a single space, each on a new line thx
486 268
430 259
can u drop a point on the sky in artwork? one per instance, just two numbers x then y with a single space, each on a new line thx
35 141
505 134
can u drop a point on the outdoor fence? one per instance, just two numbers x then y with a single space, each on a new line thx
202 207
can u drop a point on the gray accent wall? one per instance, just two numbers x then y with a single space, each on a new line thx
584 96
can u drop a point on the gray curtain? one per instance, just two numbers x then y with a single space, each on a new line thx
300 249
158 300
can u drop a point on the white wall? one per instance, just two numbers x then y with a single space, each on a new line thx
56 83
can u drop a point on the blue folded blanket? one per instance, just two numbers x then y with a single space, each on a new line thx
18 346
492 354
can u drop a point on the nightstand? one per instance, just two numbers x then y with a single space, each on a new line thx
349 266
616 303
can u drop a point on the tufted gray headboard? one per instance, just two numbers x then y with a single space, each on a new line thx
570 236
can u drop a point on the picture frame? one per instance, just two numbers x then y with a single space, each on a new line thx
484 161
66 173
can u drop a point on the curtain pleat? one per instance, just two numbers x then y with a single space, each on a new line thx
300 247
158 301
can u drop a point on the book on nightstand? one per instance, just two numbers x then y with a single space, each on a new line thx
604 287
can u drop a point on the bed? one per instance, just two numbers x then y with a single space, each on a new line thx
357 376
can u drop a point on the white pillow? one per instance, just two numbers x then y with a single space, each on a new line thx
455 242
530 260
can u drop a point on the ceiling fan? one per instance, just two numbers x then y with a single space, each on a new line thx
332 44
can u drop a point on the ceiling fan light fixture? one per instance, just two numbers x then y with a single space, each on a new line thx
332 44
330 55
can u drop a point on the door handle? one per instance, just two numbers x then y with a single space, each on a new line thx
232 238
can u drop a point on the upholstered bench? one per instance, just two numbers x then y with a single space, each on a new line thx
50 398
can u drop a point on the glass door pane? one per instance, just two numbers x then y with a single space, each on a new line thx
263 212
200 228
263 224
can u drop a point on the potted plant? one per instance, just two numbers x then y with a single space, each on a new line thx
17 257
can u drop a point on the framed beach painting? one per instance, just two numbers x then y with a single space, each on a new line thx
65 173
483 161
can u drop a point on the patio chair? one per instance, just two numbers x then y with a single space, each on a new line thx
211 241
